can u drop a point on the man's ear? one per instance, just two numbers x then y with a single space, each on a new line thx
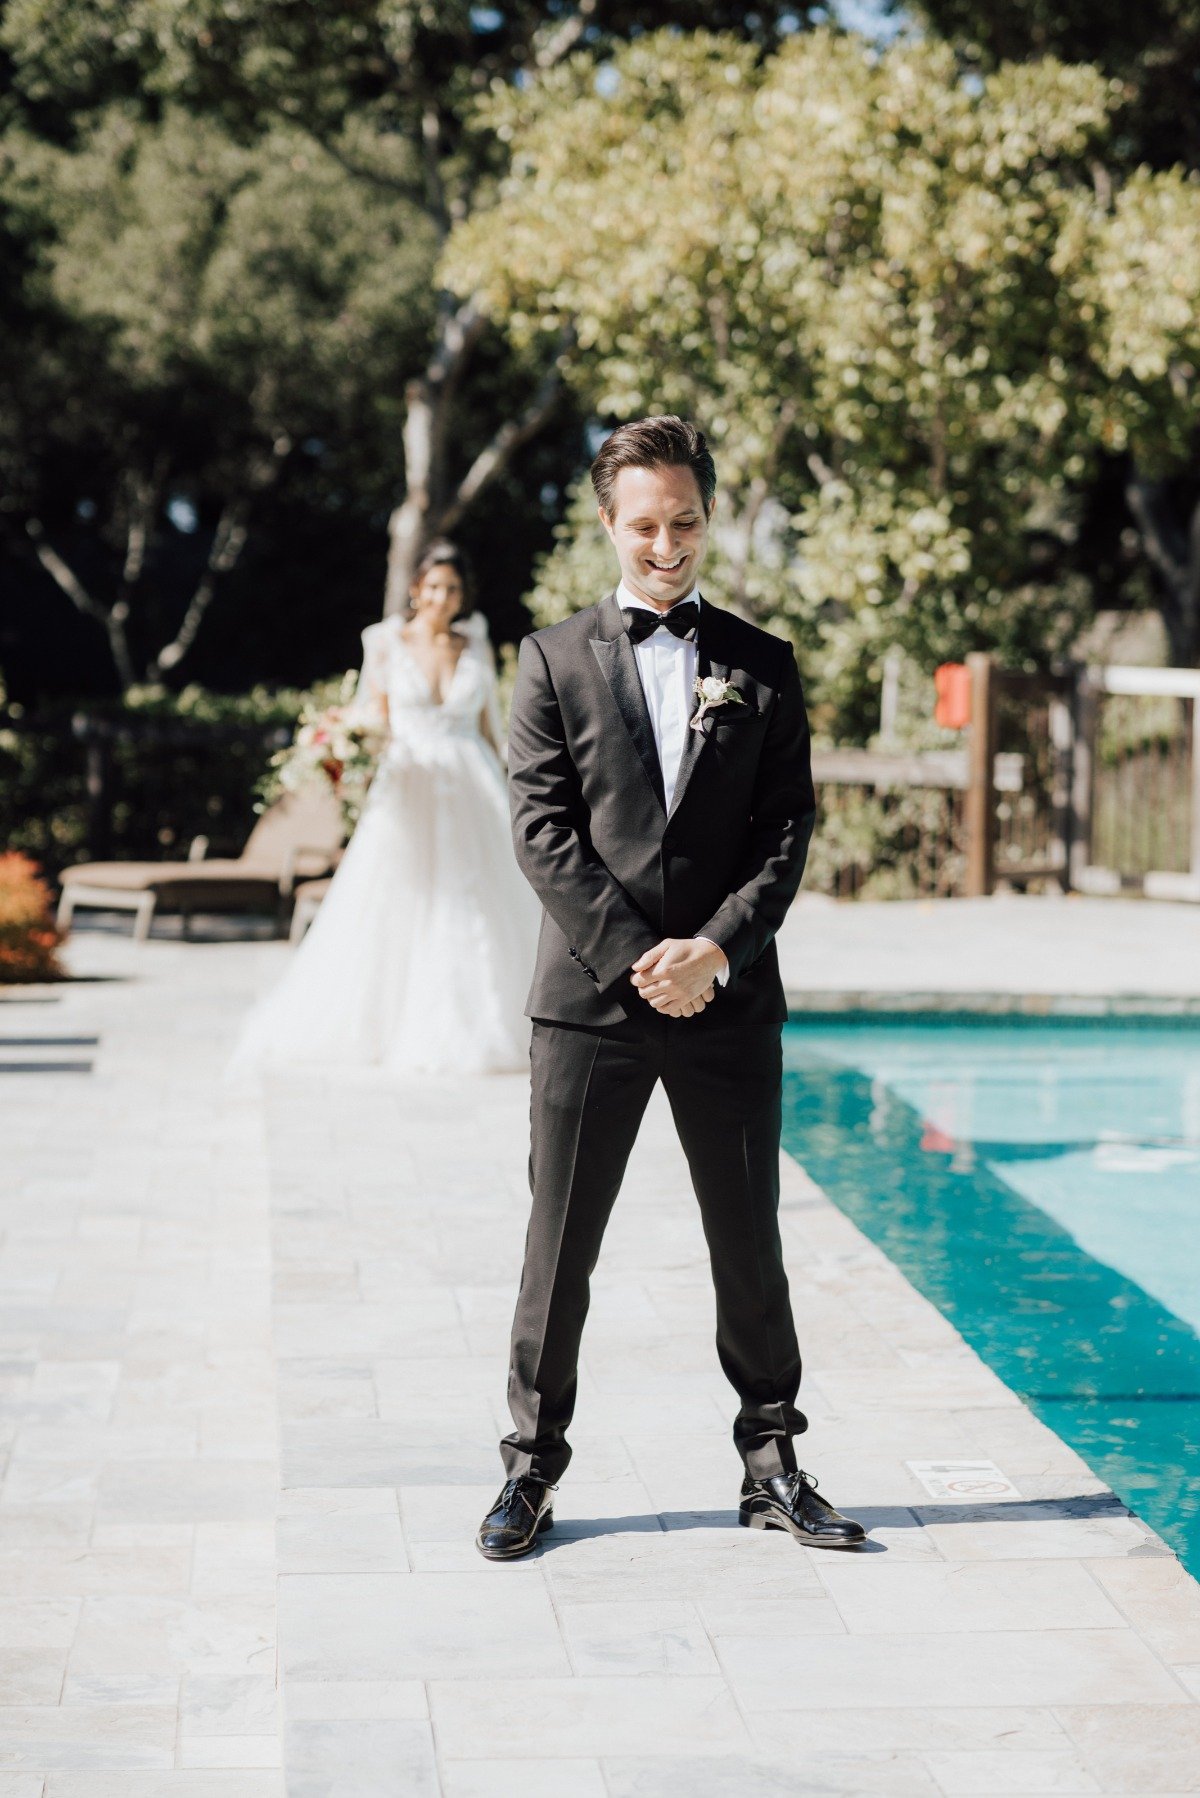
606 521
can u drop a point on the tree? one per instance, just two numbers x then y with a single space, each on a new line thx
1153 49
364 79
207 306
878 285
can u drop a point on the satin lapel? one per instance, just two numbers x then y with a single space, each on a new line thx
709 649
618 664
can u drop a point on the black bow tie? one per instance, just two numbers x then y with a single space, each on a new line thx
681 620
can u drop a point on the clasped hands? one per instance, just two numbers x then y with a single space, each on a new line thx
678 976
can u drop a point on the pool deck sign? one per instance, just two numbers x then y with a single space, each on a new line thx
963 1480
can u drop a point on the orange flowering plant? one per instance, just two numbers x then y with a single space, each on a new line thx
28 937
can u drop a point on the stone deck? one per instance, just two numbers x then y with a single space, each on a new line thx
252 1371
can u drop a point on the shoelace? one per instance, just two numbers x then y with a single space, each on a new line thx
515 1489
797 1479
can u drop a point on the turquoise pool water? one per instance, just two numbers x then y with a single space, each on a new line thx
1039 1181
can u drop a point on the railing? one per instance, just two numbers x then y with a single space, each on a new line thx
87 787
1139 782
889 825
1084 778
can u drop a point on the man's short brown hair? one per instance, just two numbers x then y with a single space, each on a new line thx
666 442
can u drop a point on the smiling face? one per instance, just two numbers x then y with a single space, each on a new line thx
438 597
659 529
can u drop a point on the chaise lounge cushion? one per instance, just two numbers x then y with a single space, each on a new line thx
190 886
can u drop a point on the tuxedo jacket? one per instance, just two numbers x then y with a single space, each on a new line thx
614 869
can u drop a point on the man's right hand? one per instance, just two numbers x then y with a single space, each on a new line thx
693 1006
678 976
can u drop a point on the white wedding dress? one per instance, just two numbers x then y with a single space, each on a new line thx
420 957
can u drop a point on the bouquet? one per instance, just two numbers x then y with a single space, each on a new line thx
335 741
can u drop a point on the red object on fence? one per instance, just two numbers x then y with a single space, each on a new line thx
952 683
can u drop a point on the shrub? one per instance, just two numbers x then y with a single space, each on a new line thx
176 766
28 938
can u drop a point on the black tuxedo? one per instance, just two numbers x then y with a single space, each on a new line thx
616 872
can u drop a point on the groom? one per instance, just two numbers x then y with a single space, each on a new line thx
662 805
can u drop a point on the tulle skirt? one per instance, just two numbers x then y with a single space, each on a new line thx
420 957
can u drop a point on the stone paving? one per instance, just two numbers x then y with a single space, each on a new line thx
252 1366
1038 954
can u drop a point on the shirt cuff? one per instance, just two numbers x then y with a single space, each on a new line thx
723 976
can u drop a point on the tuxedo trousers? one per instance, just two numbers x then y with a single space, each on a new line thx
590 1089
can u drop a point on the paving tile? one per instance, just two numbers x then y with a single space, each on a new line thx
31 1675
222 1704
677 1564
963 1728
1067 1529
361 1759
1132 1747
378 1452
769 1618
192 1491
199 1260
117 1736
416 1625
87 1571
178 1784
490 1719
893 1775
39 1622
323 1501
531 1778
962 1774
1017 1667
148 1635
345 1700
368 1542
1160 1599
876 1596
121 1688
259 1751
637 1637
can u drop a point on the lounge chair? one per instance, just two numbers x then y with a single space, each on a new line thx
309 897
296 838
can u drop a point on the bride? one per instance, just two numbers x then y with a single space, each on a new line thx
419 958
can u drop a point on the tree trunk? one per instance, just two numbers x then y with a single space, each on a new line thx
432 504
1171 541
408 526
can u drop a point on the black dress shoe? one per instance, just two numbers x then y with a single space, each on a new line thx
514 1523
790 1501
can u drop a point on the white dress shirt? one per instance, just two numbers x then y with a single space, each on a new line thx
667 670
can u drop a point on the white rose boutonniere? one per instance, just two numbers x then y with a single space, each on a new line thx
712 691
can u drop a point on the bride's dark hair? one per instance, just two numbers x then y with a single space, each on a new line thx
444 554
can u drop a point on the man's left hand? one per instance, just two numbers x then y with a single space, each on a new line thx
678 975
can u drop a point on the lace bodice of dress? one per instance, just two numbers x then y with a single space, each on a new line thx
391 671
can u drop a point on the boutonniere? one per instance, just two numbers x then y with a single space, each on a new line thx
712 691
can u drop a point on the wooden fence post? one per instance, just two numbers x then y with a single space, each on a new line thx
97 783
981 780
1084 710
1061 720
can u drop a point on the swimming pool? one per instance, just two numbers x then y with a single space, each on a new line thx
1039 1181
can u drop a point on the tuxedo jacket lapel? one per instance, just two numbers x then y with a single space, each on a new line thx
709 652
618 664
